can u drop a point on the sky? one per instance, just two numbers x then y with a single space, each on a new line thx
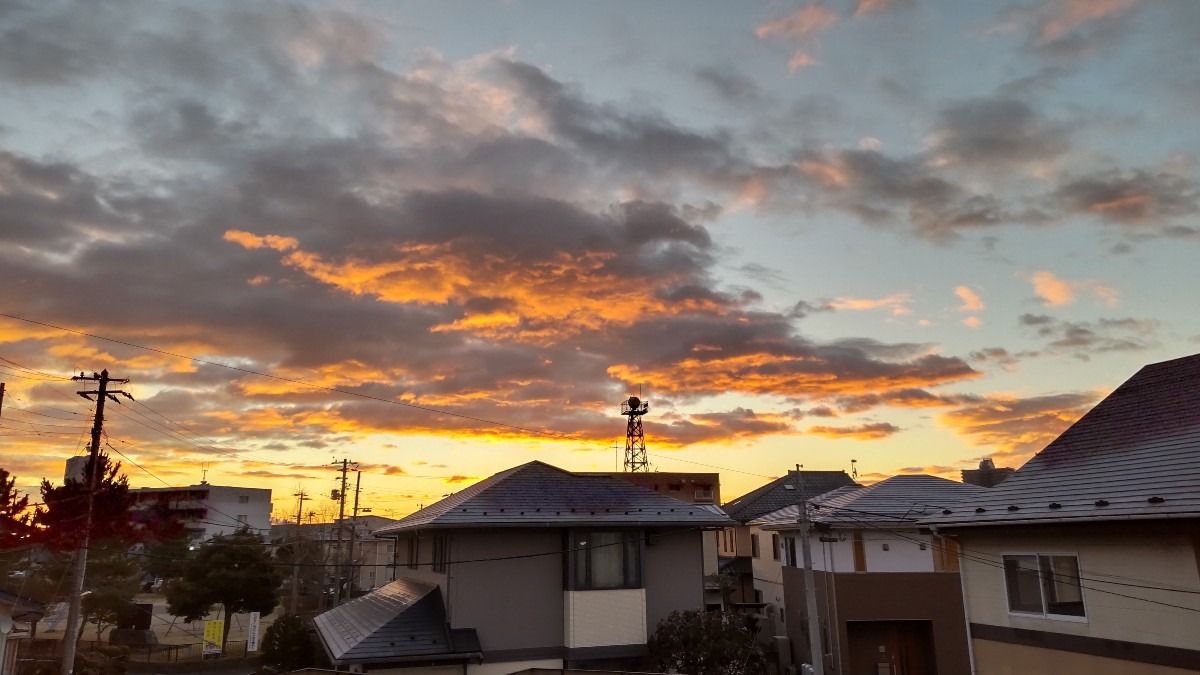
906 234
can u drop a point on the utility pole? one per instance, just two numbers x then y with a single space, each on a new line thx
337 564
810 586
1 397
73 610
353 535
296 554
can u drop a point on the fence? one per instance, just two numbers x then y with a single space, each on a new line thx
45 649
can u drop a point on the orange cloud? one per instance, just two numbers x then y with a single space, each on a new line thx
808 19
801 59
970 299
1070 14
1016 428
872 431
897 304
1054 292
865 7
972 322
827 173
253 241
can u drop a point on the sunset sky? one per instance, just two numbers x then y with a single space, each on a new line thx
906 232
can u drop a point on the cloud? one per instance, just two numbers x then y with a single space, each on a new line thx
867 7
897 304
1069 29
871 431
731 86
1012 429
807 20
1055 292
972 322
971 302
1135 198
911 398
802 59
1083 339
453 480
997 355
996 132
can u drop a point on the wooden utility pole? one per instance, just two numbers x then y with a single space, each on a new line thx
73 609
815 647
1 397
337 563
296 554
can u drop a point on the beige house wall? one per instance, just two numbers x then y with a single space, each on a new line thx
1153 558
998 658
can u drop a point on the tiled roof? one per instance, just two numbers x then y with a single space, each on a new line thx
1136 455
899 500
404 619
782 492
538 495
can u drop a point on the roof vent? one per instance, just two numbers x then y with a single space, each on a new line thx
1055 505
1156 500
980 510
1013 507
1101 502
946 512
789 487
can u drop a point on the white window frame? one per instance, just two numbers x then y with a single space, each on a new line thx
1042 587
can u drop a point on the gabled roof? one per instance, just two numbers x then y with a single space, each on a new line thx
401 621
1136 455
895 501
784 491
539 495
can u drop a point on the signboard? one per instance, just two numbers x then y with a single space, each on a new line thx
214 631
252 632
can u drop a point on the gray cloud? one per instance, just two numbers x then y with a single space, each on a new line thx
1135 198
1082 339
997 131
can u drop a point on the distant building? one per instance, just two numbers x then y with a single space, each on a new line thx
75 467
693 488
215 509
987 475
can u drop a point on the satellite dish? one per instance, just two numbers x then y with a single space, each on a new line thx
635 402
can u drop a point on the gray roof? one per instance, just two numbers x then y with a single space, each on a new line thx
401 621
782 492
895 501
1135 456
539 495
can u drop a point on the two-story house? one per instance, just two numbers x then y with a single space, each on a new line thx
532 567
1087 559
888 595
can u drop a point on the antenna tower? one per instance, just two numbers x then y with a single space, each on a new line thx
635 438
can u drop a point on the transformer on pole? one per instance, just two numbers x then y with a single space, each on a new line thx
635 438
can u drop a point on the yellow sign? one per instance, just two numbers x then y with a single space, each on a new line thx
213 632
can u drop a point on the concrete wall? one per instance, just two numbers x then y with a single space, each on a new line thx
1135 554
674 567
513 604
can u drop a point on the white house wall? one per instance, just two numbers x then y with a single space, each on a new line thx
1165 561
903 551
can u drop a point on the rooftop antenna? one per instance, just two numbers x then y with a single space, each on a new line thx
635 438
854 468
204 474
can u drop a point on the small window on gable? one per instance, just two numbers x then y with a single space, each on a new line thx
441 553
414 552
243 499
754 545
1045 584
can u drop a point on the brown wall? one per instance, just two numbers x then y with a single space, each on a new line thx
674 574
998 658
884 596
513 604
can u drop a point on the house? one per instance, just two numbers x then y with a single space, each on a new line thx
1087 559
987 475
751 557
368 566
532 567
14 607
214 509
888 593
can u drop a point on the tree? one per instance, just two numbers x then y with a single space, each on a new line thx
233 571
707 643
288 645
15 527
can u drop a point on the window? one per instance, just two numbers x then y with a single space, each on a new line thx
775 546
391 548
606 560
860 552
754 545
243 499
789 551
1043 584
441 553
414 550
758 596
241 519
